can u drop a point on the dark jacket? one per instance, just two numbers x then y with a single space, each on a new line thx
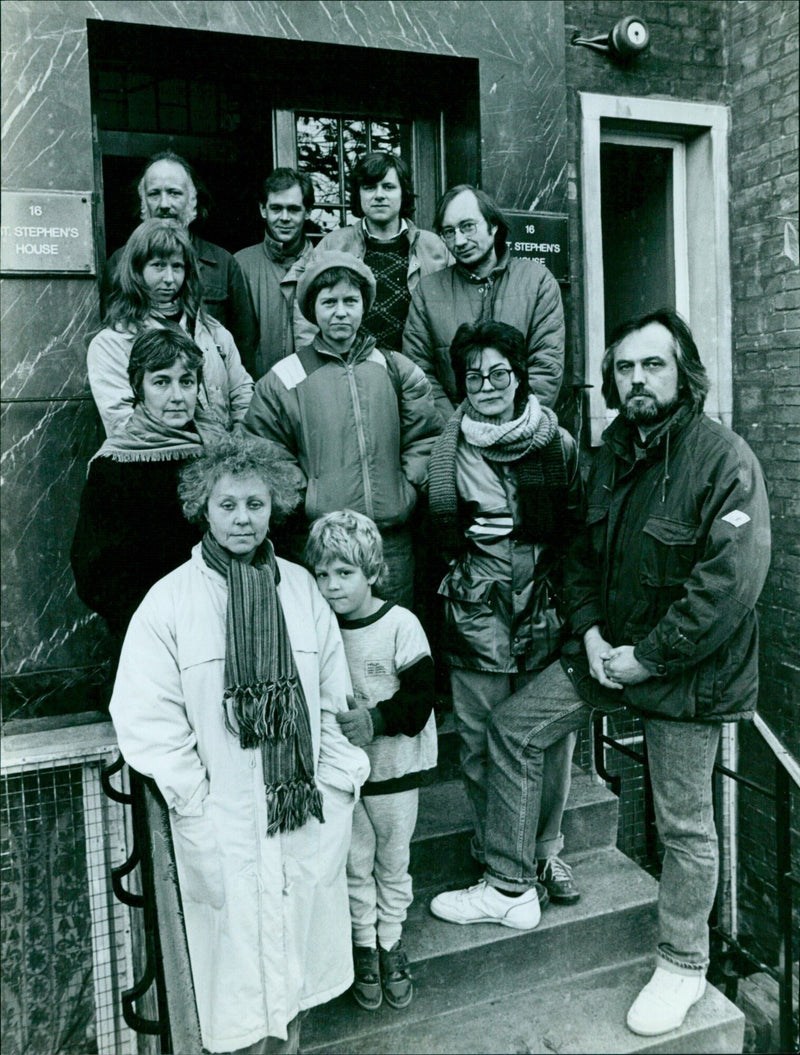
501 601
130 533
520 293
673 559
226 295
360 429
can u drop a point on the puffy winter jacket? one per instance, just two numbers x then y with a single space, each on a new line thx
520 293
673 559
500 600
361 429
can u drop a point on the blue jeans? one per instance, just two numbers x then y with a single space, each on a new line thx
681 756
476 696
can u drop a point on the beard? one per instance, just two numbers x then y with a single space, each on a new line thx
642 408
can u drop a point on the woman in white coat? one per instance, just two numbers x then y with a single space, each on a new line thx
230 678
157 284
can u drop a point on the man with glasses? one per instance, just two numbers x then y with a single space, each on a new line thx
273 267
485 283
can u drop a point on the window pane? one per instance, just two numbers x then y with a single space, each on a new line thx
325 219
172 92
203 100
318 154
354 136
141 102
386 135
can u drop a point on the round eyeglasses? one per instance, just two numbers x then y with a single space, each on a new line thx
466 227
499 377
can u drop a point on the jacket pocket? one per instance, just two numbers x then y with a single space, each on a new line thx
470 618
668 552
198 858
596 523
213 293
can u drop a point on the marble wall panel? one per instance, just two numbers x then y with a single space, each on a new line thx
47 445
45 329
46 105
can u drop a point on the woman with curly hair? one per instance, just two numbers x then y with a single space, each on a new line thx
157 285
229 683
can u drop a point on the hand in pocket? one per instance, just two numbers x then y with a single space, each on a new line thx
198 858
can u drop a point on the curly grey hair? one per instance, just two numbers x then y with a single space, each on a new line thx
239 458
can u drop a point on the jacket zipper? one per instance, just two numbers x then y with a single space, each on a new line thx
362 446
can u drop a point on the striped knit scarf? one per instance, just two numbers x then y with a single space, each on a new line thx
264 703
508 441
541 472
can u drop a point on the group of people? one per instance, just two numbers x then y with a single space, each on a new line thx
299 404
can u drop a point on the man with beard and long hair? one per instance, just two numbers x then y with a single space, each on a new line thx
660 590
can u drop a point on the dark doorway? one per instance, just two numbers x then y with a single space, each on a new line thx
225 102
638 235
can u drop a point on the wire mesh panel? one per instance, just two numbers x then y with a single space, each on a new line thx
65 941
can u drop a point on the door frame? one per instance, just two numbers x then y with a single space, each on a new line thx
702 129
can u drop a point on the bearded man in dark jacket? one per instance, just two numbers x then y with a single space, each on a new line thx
661 587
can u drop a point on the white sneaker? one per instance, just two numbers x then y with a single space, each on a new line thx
483 903
664 1002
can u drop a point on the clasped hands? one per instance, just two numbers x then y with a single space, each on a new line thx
612 667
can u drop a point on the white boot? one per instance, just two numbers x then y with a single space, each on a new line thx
664 1002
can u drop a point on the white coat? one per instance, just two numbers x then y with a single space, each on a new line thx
267 919
226 389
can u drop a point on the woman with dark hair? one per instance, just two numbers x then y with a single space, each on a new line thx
130 529
505 496
384 237
157 285
229 683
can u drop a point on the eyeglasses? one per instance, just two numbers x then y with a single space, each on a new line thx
466 227
499 377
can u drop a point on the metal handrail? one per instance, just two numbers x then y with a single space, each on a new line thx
787 770
166 969
779 749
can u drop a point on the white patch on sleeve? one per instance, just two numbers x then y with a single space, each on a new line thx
736 517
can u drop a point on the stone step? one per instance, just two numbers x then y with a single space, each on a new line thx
456 967
440 848
585 1014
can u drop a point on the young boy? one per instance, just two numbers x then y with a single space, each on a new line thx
391 717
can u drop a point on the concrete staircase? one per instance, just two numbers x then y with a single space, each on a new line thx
564 987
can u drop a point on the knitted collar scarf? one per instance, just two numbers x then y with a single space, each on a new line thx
509 440
282 252
264 703
146 439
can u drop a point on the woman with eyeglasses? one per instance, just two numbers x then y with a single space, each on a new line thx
505 497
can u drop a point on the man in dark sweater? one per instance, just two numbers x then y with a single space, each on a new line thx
272 267
396 251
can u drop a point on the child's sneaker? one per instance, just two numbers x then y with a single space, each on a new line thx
367 984
396 976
